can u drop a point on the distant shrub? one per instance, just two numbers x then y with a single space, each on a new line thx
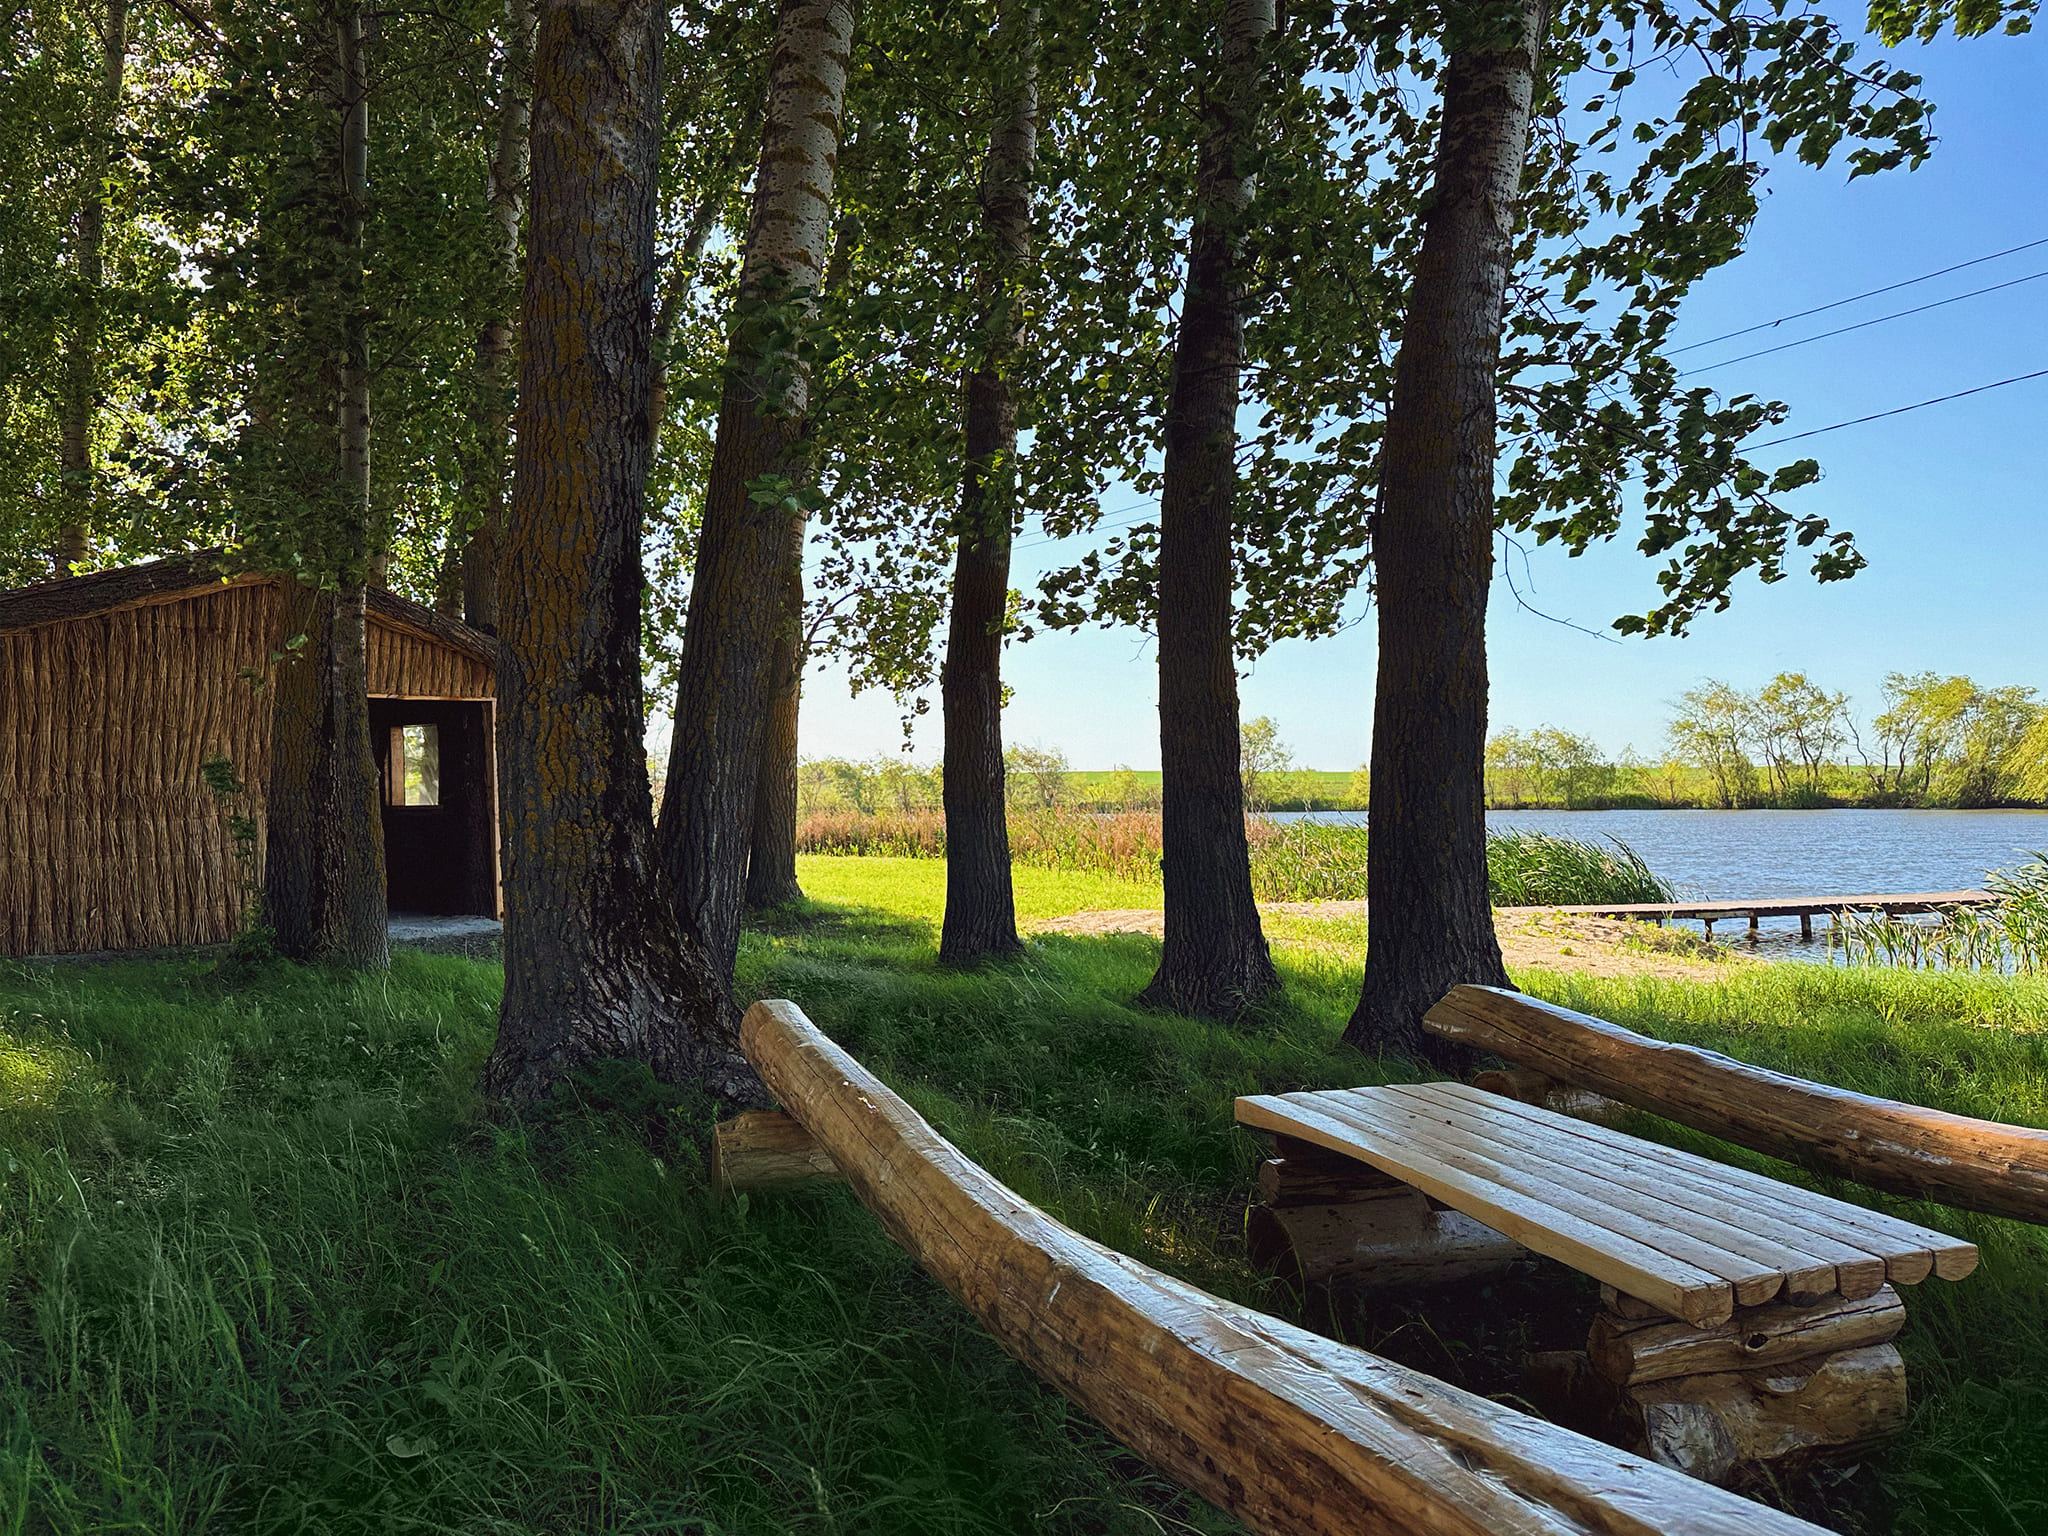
1291 861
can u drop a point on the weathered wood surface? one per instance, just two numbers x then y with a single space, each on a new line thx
1634 1350
1290 1432
1386 1243
1706 1425
1979 1165
1532 1087
766 1149
1898 903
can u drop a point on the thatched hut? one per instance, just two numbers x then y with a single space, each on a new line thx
116 687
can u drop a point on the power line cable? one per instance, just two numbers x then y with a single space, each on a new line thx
2018 378
1921 309
1857 298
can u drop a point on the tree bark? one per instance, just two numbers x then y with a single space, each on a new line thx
771 858
1429 924
469 573
323 865
1215 961
324 889
981 908
82 362
758 468
595 965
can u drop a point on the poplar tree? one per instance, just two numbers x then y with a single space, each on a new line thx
981 911
760 482
595 962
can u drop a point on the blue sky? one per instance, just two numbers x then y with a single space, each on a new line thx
1948 503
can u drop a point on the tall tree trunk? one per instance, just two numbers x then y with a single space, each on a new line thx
595 965
1215 961
758 469
469 576
324 892
82 362
771 847
323 865
981 908
1429 924
771 857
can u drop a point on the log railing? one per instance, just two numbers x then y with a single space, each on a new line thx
1290 1432
1979 1165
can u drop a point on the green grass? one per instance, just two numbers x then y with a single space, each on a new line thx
267 1266
916 888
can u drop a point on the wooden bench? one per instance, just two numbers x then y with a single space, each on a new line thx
1743 1319
1295 1434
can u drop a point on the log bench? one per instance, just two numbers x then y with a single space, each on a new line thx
1295 1434
1743 1320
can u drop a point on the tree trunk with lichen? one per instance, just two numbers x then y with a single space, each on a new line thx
1215 961
469 571
324 883
981 908
771 856
82 357
323 866
759 471
595 964
1429 925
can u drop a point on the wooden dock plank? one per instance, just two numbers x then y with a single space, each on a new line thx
1898 904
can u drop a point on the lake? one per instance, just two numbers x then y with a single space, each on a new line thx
1732 855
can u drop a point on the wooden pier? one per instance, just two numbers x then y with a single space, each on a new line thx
1802 907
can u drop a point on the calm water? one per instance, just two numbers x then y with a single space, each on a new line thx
1732 855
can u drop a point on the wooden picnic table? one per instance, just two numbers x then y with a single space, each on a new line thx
1777 1303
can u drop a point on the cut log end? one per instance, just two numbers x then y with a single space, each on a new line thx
766 1149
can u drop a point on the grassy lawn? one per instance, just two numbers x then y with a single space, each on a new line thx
267 1265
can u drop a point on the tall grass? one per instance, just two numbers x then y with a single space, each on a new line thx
2011 935
1291 861
266 1264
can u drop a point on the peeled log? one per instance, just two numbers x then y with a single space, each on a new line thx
1294 1434
1707 1425
1756 1337
764 1149
1979 1165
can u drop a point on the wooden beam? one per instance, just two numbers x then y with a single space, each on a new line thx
1980 1165
764 1149
1294 1434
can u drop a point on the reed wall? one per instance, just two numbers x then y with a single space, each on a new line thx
109 837
405 664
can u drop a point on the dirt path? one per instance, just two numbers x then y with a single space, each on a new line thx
1531 938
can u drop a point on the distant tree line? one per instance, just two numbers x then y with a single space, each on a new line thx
1937 741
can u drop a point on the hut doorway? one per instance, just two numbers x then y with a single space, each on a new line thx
434 761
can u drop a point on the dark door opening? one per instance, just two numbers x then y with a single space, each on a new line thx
434 763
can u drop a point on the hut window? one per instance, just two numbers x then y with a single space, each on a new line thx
415 777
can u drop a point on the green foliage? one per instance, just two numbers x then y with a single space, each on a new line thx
267 1265
1533 869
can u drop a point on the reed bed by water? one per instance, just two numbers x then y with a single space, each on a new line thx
2010 936
1291 861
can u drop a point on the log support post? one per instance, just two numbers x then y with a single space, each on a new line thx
1532 1087
1806 927
1773 1384
1327 1217
765 1149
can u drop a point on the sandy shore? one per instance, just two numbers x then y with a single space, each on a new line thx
1531 938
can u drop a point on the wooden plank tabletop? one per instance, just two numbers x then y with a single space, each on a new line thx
1688 1235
